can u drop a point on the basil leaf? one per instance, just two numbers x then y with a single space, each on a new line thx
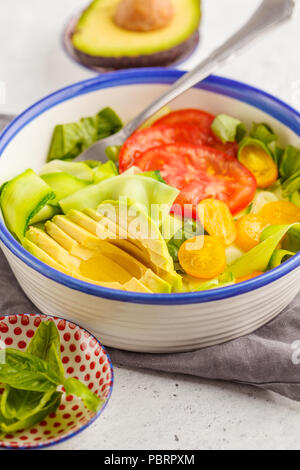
26 372
45 336
9 426
290 162
228 129
20 404
263 132
45 344
26 379
91 401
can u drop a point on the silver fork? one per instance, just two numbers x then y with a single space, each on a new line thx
269 14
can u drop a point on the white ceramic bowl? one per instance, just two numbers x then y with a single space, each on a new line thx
145 322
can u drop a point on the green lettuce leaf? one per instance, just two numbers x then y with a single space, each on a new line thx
278 154
70 139
290 163
291 185
228 129
263 132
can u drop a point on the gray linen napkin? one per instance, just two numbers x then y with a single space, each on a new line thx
268 358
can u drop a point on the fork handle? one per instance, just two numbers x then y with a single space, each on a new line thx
268 15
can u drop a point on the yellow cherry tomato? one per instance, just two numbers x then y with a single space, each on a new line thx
250 276
261 164
280 213
249 230
217 220
203 257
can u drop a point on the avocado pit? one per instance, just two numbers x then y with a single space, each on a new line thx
144 15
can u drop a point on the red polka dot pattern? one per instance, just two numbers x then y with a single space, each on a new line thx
82 356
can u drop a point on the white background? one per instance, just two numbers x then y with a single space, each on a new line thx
150 410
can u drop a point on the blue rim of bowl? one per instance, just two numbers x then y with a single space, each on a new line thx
93 419
214 84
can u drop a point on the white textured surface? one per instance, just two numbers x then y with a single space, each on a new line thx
201 414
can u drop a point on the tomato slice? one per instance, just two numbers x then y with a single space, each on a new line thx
151 137
195 117
200 172
203 120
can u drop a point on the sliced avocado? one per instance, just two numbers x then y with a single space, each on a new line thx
137 250
134 285
99 41
154 248
72 244
55 256
122 264
53 249
43 256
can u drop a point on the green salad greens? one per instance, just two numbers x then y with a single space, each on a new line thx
228 129
55 214
32 381
69 140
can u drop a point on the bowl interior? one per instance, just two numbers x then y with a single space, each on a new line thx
83 357
26 145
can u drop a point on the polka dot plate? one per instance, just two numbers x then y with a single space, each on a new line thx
83 357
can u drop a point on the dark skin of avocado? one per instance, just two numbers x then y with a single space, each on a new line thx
159 59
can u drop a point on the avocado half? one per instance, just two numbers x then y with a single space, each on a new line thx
97 42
